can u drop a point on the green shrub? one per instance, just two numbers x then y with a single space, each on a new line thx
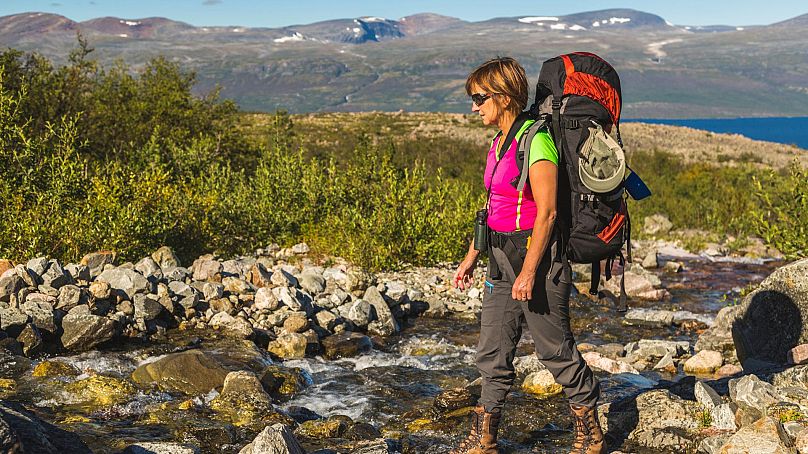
781 218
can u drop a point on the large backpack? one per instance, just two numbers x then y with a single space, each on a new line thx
577 93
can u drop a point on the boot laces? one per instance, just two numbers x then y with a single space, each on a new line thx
473 440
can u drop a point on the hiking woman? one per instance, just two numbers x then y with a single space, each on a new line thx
524 283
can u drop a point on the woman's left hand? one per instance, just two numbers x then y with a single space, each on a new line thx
522 289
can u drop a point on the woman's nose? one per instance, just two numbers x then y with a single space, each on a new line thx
474 107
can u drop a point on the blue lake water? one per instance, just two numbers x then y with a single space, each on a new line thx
791 130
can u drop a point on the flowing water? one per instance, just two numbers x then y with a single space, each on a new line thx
393 387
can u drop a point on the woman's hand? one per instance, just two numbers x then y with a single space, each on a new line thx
464 276
522 289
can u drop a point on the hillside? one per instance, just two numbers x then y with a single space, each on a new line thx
419 63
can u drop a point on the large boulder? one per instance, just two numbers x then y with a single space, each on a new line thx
346 345
770 321
85 331
765 436
192 372
23 432
243 400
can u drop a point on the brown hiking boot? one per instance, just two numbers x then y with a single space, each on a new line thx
483 436
588 435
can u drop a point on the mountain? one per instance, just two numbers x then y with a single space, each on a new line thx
420 62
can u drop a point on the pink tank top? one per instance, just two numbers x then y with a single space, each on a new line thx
509 210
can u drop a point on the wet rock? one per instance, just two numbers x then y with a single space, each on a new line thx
85 331
302 414
191 372
704 362
275 439
296 323
657 224
541 383
126 282
319 429
160 448
600 362
289 346
770 318
528 364
165 257
377 446
243 400
454 399
22 431
752 392
10 285
206 268
387 324
96 261
101 390
706 396
346 345
650 317
53 368
764 436
284 381
362 431
312 282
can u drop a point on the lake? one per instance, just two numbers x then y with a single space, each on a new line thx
790 130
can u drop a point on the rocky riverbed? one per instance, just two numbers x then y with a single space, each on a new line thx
281 351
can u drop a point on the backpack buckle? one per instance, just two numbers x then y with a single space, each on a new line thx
556 104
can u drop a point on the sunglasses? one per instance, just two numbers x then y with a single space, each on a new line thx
479 99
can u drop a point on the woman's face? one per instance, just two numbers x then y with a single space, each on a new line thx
489 109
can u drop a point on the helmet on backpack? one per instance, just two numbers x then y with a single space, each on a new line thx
602 163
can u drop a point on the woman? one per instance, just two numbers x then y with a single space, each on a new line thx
524 283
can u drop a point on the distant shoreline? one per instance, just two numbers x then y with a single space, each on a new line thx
786 130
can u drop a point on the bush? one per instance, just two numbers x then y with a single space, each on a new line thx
781 218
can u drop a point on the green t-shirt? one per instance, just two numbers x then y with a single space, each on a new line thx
542 147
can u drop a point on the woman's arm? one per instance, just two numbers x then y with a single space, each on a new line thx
464 276
543 184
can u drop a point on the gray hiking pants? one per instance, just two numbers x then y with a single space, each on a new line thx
547 317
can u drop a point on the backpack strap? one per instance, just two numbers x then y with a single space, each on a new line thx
595 279
622 302
523 153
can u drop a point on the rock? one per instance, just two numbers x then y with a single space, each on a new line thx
312 282
642 286
704 362
296 323
5 265
54 368
12 320
165 257
377 446
283 278
798 354
765 436
600 362
236 286
275 439
358 281
191 372
329 428
362 431
126 282
265 299
650 317
149 269
397 291
100 290
655 348
750 391
176 273
284 381
801 442
206 268
22 431
770 318
259 276
96 261
78 272
723 416
706 396
293 299
673 267
650 260
728 370
541 383
528 364
361 313
31 340
38 266
243 399
666 364
10 285
30 278
657 224
325 319
210 291
101 390
289 346
453 399
160 448
236 326
71 296
346 345
719 336
85 331
387 323
300 248
146 307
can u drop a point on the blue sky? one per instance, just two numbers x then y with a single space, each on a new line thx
275 13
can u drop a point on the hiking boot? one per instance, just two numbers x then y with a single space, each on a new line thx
483 436
588 435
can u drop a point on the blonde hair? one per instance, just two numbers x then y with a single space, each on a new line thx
504 76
